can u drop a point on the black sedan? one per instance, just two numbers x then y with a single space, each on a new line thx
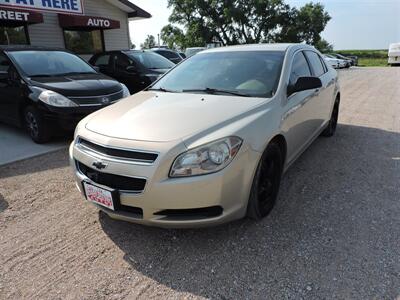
44 89
134 68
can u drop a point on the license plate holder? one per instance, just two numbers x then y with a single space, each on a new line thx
104 197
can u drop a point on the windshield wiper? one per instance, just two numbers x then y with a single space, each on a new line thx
215 91
161 89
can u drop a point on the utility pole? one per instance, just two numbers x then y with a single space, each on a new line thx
158 35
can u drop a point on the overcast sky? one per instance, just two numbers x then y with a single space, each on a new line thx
355 24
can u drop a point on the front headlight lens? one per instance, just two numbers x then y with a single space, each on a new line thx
125 91
54 99
206 159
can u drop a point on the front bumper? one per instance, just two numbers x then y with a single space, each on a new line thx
67 118
227 190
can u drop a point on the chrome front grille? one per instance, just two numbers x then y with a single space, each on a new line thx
98 100
115 153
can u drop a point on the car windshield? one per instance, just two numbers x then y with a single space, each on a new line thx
150 60
246 73
50 63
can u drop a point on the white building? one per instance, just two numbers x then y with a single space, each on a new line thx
82 26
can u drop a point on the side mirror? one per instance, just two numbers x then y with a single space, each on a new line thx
303 84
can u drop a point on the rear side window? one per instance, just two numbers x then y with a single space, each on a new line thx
315 63
102 60
300 68
168 54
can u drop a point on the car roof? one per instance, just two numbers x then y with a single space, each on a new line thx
124 51
29 48
259 47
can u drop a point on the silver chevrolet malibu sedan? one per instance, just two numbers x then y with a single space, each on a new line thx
209 141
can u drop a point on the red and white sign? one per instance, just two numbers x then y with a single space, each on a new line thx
70 21
98 195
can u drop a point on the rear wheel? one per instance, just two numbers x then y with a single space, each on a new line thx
265 188
36 126
331 128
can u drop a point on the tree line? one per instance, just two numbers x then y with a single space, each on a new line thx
196 23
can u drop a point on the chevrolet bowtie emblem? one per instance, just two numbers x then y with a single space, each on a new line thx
99 165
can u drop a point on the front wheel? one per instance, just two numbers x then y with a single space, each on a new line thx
36 126
267 179
331 128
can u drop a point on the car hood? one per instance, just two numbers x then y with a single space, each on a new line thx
78 85
162 117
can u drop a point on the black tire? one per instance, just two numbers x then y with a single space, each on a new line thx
35 125
266 182
331 128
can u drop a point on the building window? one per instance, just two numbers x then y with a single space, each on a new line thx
13 35
84 42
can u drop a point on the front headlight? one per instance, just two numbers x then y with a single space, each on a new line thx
206 159
54 99
125 91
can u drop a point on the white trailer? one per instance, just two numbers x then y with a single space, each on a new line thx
394 54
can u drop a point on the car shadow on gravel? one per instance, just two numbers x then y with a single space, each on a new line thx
3 204
54 160
336 205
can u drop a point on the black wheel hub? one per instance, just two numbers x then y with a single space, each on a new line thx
268 185
32 124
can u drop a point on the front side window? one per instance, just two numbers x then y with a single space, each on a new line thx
122 62
250 73
300 68
150 60
315 63
84 42
13 35
50 63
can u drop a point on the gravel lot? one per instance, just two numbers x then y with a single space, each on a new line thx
335 233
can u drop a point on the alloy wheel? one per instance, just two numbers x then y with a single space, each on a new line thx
31 124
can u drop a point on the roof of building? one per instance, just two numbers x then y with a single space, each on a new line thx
134 11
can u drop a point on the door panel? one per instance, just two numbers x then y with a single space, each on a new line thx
323 105
131 78
299 117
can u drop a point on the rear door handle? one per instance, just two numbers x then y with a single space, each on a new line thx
316 92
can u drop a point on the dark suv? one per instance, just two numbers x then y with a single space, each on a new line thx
134 68
44 89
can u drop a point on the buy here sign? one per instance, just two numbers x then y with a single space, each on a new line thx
64 6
